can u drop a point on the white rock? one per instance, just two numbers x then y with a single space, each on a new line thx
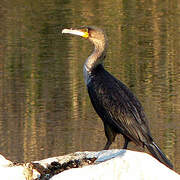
110 165
4 162
9 173
121 165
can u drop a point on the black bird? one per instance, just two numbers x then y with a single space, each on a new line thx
119 109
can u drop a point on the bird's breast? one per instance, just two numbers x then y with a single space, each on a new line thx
87 73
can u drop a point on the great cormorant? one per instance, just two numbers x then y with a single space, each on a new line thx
119 109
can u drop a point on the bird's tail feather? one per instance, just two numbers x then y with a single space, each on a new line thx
158 154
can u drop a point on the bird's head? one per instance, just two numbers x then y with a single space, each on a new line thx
94 34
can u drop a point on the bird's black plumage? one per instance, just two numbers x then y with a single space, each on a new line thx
119 109
121 112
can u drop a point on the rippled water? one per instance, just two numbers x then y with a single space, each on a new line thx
44 106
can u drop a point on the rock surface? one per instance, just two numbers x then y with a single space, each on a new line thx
111 164
121 165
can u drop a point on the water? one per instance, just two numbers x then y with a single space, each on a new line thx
45 110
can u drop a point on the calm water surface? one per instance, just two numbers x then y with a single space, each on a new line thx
44 106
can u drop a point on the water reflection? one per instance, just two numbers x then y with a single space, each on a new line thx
45 110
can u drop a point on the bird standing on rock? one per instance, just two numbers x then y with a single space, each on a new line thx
119 109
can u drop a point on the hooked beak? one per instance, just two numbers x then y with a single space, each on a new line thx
76 32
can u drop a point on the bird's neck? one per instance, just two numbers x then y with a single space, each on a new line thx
94 59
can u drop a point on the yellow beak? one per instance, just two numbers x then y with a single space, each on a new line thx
76 32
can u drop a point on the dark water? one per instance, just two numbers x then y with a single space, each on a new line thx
44 107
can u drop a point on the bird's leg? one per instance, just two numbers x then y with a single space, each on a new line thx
126 142
106 147
110 134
